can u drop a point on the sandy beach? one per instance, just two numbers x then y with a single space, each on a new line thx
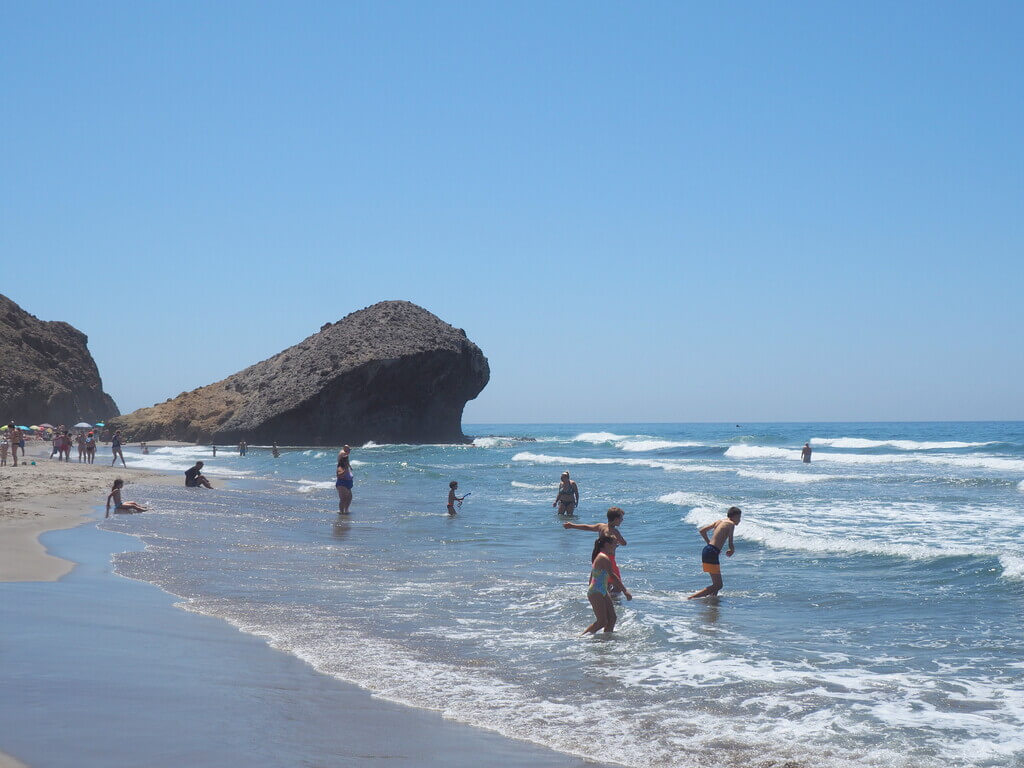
41 495
101 670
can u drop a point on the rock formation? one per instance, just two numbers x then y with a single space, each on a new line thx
46 372
391 373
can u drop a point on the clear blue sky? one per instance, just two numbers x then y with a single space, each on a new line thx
640 211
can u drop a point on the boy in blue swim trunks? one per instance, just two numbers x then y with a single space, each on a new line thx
722 531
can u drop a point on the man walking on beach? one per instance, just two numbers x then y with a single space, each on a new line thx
722 531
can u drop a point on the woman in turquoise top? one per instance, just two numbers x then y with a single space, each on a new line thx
602 579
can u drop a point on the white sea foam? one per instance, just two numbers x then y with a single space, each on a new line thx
761 452
1020 485
670 465
1013 567
639 445
309 486
973 461
534 486
597 437
493 442
788 477
903 445
179 461
701 504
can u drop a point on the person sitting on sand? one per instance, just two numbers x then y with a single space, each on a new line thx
121 506
723 530
452 498
195 478
603 581
568 497
344 483
611 528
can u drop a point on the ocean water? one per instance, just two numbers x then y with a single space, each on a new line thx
873 614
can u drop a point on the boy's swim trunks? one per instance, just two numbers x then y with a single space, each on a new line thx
709 557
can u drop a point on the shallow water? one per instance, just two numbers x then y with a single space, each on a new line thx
871 614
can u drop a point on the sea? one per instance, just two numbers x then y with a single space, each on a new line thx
872 615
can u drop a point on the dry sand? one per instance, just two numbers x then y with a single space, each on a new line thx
48 496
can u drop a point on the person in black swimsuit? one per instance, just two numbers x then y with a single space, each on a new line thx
568 497
194 477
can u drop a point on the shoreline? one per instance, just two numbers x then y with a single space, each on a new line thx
47 496
85 637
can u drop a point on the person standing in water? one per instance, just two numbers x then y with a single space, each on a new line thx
805 453
214 447
115 448
121 506
568 497
90 447
603 581
452 498
611 528
274 450
344 483
722 531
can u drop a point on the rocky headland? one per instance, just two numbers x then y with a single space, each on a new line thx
46 372
391 373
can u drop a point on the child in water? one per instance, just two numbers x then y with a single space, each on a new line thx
452 498
121 506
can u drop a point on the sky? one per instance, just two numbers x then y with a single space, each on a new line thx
639 211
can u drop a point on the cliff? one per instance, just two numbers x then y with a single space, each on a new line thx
46 372
391 373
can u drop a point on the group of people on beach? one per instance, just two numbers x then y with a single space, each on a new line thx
11 441
605 581
605 577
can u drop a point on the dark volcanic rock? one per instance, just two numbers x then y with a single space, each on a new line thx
391 373
46 372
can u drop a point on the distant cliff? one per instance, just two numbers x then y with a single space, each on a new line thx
391 373
46 372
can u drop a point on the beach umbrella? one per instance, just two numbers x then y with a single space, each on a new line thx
82 425
100 424
25 428
44 425
35 428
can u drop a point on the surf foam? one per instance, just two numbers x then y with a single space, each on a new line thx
903 445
